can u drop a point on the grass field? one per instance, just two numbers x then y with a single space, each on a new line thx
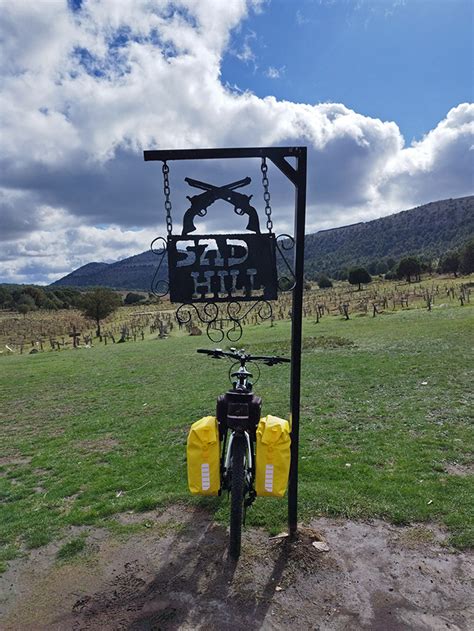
386 428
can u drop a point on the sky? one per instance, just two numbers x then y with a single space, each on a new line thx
380 91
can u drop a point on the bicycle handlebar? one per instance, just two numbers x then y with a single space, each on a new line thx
217 353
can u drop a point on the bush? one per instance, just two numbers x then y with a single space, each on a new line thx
324 282
132 298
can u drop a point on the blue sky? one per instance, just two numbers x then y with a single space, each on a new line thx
379 91
408 62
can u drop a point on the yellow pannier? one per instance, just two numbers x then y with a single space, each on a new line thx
203 455
273 456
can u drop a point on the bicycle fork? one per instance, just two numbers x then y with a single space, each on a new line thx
249 470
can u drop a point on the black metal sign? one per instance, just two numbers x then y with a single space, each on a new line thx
222 268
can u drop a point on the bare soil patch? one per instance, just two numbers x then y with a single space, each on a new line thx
374 576
102 445
15 459
459 469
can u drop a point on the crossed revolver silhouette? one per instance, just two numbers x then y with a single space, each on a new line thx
200 203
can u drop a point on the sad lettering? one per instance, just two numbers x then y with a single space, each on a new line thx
218 267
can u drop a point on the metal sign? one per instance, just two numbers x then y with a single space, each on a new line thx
222 268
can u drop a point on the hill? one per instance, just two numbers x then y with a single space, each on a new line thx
427 231
135 272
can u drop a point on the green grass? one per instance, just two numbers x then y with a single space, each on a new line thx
90 433
72 548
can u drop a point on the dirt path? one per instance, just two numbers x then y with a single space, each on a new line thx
177 576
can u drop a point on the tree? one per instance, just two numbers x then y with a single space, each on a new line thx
466 258
408 267
4 296
132 298
449 264
99 304
25 300
382 268
23 309
37 293
373 267
359 276
324 282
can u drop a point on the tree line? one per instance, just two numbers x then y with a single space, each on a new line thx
410 268
98 303
26 298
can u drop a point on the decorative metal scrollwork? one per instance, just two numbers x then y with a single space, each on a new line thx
159 286
223 320
287 281
221 279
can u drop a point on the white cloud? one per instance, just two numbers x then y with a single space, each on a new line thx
274 73
300 18
84 93
440 165
48 254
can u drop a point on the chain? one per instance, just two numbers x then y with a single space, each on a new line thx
266 194
167 191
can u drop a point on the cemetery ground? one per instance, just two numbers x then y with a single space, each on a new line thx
98 530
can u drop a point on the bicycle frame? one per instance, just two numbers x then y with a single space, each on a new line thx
238 413
239 418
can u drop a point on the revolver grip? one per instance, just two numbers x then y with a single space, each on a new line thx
188 221
253 223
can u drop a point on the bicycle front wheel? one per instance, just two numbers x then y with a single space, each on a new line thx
237 495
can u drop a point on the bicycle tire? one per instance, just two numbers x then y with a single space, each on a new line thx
237 495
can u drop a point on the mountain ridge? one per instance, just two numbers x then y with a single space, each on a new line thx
428 231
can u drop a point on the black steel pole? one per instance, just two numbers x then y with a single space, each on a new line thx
296 337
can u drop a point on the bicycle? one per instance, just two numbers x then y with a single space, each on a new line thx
238 413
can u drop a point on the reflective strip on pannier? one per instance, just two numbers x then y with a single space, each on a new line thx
273 456
203 455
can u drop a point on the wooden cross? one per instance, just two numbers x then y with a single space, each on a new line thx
75 337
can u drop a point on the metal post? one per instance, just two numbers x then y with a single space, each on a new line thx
296 338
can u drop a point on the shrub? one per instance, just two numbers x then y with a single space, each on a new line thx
324 282
132 298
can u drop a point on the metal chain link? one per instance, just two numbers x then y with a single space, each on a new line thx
167 192
266 194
